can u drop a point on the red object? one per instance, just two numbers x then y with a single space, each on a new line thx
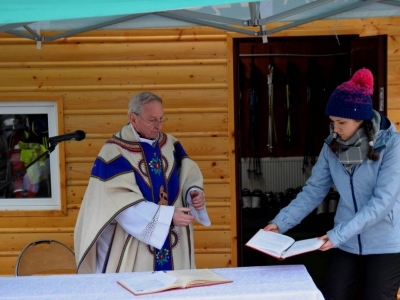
18 182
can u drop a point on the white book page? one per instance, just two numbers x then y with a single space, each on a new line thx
149 282
304 246
270 241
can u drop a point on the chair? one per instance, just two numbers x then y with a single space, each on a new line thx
43 257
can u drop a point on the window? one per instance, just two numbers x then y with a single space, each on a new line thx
25 127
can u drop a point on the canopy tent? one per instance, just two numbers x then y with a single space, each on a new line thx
26 18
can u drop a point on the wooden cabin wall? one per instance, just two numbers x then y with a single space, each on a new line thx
96 73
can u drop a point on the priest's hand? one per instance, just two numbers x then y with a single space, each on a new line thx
181 218
198 199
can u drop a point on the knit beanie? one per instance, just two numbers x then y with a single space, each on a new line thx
351 99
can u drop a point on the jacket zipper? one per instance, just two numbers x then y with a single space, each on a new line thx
355 208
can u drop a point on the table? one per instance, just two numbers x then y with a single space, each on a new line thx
263 282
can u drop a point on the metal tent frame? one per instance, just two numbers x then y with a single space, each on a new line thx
221 22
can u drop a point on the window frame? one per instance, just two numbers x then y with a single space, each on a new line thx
56 205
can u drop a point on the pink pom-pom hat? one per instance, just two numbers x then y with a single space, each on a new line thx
352 99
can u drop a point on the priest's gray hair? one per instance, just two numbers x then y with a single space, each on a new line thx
136 103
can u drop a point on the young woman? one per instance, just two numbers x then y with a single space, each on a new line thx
361 158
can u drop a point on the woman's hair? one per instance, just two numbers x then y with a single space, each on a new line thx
335 146
136 103
368 128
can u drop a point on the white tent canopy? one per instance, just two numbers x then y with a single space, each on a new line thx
27 18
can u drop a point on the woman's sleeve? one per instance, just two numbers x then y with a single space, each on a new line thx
312 194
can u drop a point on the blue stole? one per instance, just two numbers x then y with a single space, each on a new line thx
162 191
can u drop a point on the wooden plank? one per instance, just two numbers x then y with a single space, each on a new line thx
217 191
178 33
75 195
143 75
94 53
394 116
213 261
108 64
205 146
220 216
361 26
393 47
124 64
393 97
189 122
393 72
17 241
172 99
40 222
7 265
195 33
212 239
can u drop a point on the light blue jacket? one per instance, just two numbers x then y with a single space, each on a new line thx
367 219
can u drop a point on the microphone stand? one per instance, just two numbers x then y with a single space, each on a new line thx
20 172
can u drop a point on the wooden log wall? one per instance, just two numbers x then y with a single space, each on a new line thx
96 74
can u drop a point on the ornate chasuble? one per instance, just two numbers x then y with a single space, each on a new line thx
125 173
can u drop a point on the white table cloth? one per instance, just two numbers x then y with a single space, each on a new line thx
264 282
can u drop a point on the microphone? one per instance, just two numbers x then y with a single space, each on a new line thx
78 135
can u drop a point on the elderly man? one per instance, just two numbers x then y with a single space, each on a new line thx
144 193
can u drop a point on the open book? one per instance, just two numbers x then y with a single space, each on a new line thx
282 246
162 281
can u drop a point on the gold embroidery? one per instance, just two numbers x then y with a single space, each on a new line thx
163 196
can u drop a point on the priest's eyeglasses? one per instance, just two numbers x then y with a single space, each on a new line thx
154 123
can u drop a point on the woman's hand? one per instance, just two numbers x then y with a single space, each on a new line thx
272 227
327 245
